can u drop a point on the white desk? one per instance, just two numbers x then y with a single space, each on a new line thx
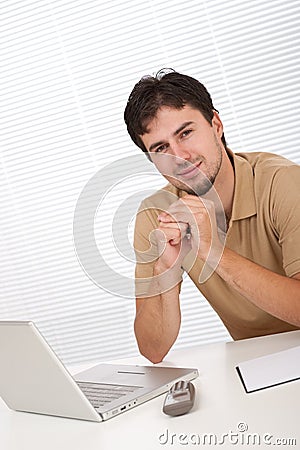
221 405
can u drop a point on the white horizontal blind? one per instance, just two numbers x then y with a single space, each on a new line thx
67 70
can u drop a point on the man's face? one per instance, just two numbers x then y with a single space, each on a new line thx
185 148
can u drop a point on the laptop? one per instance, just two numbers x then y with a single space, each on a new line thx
33 379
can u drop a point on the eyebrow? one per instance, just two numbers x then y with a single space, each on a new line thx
182 127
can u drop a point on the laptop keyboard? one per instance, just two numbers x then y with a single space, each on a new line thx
100 394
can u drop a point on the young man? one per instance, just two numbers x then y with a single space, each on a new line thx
232 221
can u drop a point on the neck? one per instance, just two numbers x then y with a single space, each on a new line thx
224 185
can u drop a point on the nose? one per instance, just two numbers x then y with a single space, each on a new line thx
180 151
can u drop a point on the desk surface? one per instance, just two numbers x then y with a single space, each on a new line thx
223 413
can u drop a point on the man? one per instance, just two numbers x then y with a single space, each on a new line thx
237 214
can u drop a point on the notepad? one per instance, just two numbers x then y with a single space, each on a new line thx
271 370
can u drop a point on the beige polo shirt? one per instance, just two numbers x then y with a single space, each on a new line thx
264 227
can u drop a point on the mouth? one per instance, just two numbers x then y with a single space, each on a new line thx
190 171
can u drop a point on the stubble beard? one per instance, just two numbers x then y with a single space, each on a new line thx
204 180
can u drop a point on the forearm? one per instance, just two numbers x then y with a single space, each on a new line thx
157 323
276 294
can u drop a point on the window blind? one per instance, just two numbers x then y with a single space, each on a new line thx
67 70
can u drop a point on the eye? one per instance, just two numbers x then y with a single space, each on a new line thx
161 148
185 133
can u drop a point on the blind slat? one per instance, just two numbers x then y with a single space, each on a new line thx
68 68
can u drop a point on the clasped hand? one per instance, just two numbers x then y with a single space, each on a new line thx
188 224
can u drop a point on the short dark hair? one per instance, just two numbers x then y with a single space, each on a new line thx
166 88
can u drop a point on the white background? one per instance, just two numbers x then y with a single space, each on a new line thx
67 70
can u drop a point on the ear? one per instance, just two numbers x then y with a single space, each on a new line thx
217 124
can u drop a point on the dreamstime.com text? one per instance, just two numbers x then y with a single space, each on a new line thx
238 438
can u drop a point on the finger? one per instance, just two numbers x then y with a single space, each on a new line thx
170 224
171 233
164 217
190 212
183 204
164 236
181 226
186 217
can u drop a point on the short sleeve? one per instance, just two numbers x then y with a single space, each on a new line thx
286 216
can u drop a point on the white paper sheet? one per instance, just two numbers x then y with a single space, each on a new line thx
271 370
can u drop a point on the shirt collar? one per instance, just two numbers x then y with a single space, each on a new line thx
244 204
